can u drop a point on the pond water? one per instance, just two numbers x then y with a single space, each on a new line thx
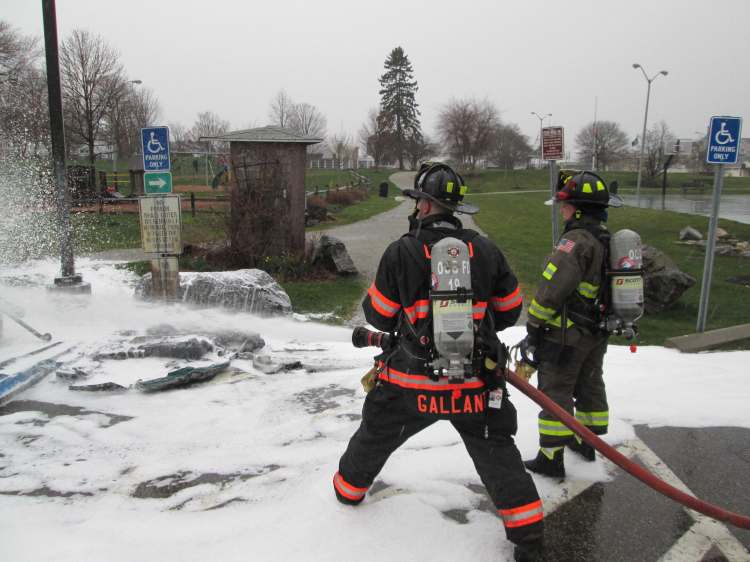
732 207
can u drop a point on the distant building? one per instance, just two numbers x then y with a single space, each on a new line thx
742 167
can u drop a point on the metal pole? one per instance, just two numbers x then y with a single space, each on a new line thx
643 147
553 190
68 280
541 128
710 248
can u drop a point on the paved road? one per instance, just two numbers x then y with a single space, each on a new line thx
623 520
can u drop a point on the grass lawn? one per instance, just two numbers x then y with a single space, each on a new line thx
110 231
370 207
520 224
487 181
339 296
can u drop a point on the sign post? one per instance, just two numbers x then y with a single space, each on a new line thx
161 214
552 150
723 148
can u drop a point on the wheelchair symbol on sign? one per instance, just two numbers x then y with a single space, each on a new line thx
723 136
154 145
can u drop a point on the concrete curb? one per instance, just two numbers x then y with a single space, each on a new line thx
704 341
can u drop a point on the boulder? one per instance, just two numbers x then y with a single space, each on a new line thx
721 234
331 253
664 282
690 233
246 290
240 342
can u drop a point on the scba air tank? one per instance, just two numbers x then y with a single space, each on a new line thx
626 278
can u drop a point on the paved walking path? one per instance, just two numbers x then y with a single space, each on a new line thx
367 240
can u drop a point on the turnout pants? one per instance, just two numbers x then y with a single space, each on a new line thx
387 424
573 378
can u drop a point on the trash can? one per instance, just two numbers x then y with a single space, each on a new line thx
384 189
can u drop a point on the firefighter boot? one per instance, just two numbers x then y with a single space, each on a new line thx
528 553
548 462
583 449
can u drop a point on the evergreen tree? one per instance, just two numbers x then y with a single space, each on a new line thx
399 111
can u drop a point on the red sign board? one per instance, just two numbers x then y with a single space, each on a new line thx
552 143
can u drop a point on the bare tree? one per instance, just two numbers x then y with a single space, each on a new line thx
208 124
92 80
341 147
24 118
375 139
307 120
133 109
418 149
658 137
510 146
281 110
466 128
18 52
179 136
603 139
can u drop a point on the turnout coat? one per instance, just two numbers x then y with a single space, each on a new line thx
398 302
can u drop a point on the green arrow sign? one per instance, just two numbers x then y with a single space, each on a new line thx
157 182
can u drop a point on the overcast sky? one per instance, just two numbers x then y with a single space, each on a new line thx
558 57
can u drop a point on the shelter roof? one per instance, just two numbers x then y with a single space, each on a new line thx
265 134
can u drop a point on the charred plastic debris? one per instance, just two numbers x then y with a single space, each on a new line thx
165 342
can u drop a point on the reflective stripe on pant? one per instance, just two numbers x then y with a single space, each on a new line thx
387 424
575 382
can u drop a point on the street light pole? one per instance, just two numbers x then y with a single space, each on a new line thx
643 134
541 126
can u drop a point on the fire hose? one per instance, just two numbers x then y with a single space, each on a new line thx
361 337
696 504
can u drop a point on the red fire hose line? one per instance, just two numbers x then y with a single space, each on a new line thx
622 461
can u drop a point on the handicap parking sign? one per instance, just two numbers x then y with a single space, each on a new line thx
155 142
724 139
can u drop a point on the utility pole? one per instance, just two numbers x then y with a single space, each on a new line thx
68 280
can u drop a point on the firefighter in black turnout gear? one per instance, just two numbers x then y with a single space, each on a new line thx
410 395
564 334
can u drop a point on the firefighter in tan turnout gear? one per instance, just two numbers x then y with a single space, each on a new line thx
564 333
413 390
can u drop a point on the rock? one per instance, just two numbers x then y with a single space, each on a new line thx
721 233
690 233
247 290
241 342
103 387
192 348
331 253
74 374
664 283
726 250
266 365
